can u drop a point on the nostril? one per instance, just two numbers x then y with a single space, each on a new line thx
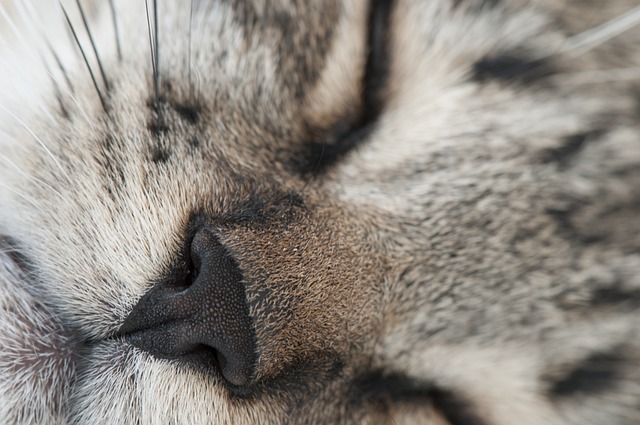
208 319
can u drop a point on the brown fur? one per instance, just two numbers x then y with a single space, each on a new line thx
473 260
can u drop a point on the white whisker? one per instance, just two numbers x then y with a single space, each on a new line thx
84 114
14 29
599 35
70 94
30 177
29 10
25 90
42 144
66 87
598 76
23 196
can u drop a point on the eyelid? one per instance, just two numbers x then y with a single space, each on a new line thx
332 144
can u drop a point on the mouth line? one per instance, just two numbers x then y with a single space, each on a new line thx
126 331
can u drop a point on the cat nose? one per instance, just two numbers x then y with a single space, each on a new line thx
206 322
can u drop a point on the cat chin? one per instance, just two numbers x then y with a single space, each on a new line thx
119 382
38 355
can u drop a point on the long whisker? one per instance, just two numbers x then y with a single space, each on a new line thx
44 108
70 93
57 90
25 9
28 176
42 144
82 111
191 94
84 56
14 29
599 76
93 45
156 81
61 66
37 23
115 28
23 196
599 35
151 49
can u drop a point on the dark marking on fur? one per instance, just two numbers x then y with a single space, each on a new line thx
378 384
160 155
511 67
328 146
616 297
108 157
296 30
475 4
378 59
255 208
58 95
193 142
157 124
455 409
570 147
566 226
399 388
262 209
189 112
302 379
595 374
169 103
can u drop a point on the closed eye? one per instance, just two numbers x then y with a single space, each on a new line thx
330 146
396 389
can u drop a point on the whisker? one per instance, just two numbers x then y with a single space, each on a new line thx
155 25
82 111
93 45
599 35
42 144
57 90
23 196
84 56
28 176
151 48
14 29
191 91
29 18
37 23
73 98
42 106
61 66
115 28
598 76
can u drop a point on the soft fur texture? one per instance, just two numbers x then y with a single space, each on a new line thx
474 259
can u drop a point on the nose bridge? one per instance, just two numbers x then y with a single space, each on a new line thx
209 317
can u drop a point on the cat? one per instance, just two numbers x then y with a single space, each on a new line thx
320 212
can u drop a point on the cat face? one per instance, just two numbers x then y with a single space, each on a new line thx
317 212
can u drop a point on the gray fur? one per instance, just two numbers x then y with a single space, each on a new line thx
483 241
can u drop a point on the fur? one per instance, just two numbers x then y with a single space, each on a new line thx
473 258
